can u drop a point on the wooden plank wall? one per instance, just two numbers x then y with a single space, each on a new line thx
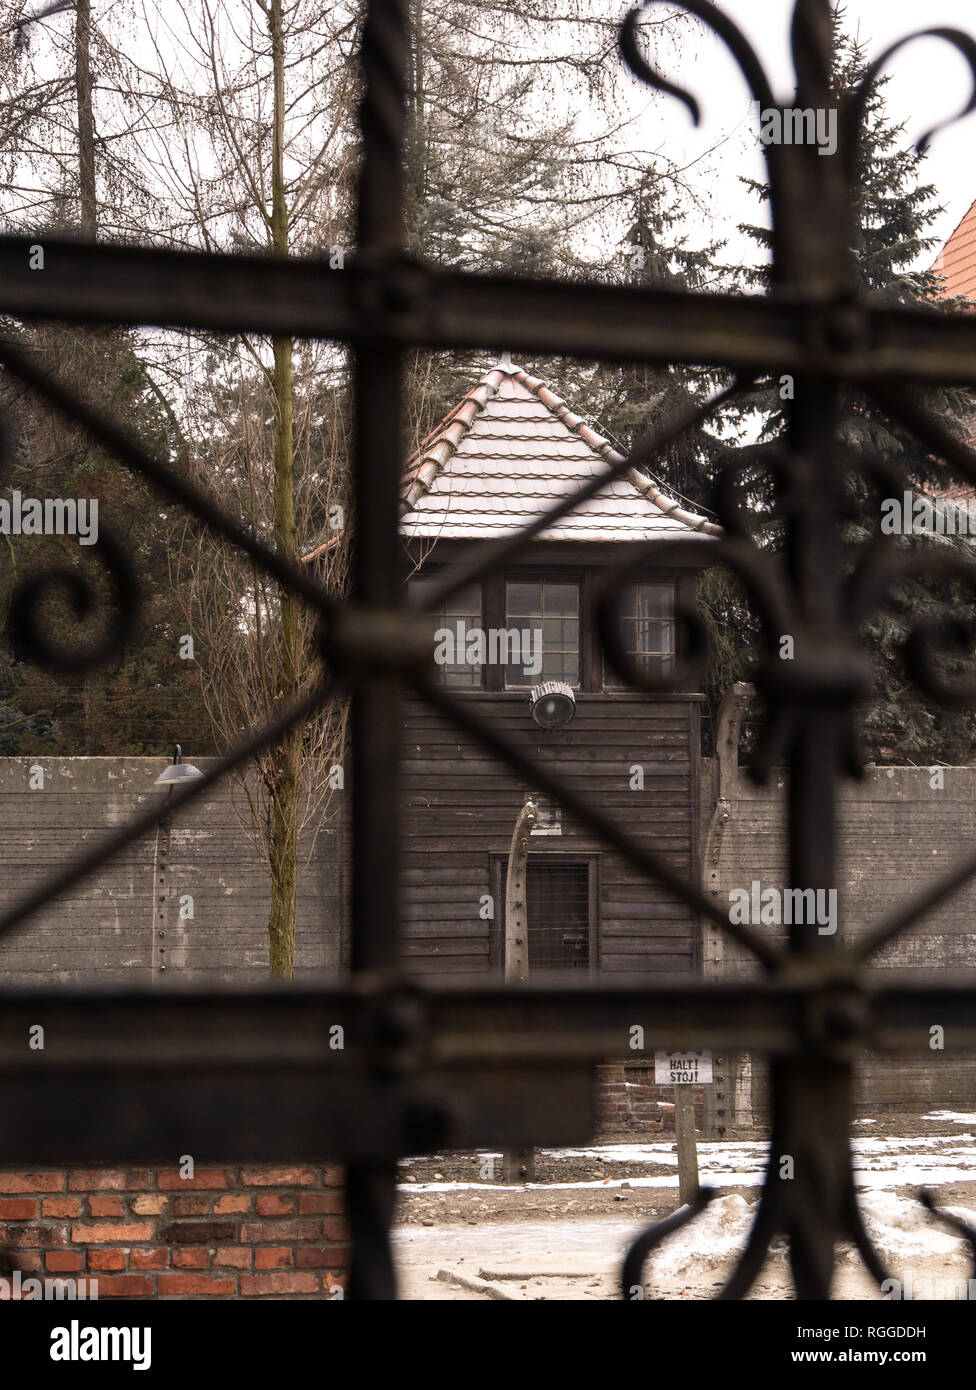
461 810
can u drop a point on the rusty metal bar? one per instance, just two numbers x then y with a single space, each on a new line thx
256 1074
375 713
456 1025
423 1067
414 305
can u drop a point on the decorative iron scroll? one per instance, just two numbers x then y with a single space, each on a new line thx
815 998
811 700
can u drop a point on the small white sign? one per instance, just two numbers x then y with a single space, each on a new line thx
548 818
682 1068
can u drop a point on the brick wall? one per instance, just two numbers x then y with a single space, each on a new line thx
228 1232
629 1101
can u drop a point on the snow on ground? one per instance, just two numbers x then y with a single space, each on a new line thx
710 1241
698 1257
879 1163
904 1230
917 1251
901 1229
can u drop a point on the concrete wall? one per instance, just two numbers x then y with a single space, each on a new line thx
125 922
896 831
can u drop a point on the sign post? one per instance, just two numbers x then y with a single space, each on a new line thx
683 1070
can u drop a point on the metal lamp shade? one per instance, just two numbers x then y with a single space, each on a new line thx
553 704
178 771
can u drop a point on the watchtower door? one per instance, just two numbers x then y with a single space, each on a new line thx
558 909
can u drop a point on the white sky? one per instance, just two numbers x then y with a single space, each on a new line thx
930 81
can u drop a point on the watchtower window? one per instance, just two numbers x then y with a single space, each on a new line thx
455 627
646 630
548 611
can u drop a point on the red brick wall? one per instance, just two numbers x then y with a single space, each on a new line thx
629 1101
228 1232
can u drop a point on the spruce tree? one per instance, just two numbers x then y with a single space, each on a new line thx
633 401
894 213
145 697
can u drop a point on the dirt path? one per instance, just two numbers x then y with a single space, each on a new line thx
599 1246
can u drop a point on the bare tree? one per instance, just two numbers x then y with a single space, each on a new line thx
258 646
72 120
219 126
254 153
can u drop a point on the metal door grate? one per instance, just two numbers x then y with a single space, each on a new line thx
427 1066
557 905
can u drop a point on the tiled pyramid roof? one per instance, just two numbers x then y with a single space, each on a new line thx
511 449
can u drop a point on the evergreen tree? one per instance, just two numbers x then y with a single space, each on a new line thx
894 212
519 161
20 733
632 401
146 697
72 144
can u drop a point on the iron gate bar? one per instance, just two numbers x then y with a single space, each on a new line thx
403 302
817 1009
375 715
421 1067
457 1025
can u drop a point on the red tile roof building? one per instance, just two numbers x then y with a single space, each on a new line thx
956 262
507 452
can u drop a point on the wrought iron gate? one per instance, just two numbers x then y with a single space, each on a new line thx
252 1073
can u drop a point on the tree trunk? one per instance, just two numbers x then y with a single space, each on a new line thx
86 119
286 789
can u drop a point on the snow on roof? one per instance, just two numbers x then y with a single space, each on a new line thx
508 452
